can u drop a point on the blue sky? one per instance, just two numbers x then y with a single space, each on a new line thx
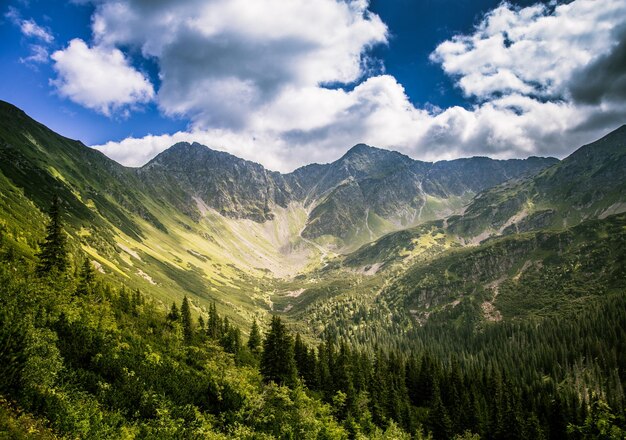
288 83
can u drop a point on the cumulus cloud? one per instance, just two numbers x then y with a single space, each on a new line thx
604 79
251 77
99 78
222 60
532 50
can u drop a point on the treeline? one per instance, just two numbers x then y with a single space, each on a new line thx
88 359
422 394
92 360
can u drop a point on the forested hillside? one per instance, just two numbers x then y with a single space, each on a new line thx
207 298
85 358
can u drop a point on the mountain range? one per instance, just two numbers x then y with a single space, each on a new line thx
205 223
472 297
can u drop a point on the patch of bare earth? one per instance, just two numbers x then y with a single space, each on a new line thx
146 277
490 313
295 293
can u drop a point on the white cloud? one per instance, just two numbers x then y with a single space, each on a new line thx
222 60
250 76
99 78
29 28
32 29
38 54
531 50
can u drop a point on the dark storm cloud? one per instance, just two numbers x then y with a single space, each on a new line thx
604 79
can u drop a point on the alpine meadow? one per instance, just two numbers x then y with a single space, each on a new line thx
313 219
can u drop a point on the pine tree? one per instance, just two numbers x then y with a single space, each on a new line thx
438 418
231 340
85 279
136 302
201 323
254 341
214 325
53 253
185 313
300 353
124 300
277 361
173 315
305 361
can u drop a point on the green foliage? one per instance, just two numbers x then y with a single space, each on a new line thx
514 338
277 360
185 314
254 341
86 279
600 423
174 314
53 254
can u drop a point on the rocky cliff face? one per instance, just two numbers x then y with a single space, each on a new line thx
367 192
192 174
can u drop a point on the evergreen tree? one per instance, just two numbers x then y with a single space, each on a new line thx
53 250
136 302
254 342
124 300
277 360
300 354
173 315
85 279
185 314
231 339
305 361
438 418
214 325
201 323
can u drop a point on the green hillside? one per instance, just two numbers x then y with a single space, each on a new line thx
392 298
589 183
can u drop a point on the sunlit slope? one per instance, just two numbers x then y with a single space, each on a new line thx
590 183
464 289
133 236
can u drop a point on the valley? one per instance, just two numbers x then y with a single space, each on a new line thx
474 265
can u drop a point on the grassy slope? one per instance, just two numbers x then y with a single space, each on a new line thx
589 183
134 238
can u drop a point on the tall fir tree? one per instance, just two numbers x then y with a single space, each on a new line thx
214 324
173 315
254 341
301 355
185 314
86 278
53 250
277 361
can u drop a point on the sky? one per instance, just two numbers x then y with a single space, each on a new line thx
290 82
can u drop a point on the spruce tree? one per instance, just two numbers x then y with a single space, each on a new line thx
201 323
124 300
53 250
438 417
173 315
301 355
214 324
85 279
277 361
185 313
254 342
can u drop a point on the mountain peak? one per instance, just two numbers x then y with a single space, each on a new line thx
360 148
